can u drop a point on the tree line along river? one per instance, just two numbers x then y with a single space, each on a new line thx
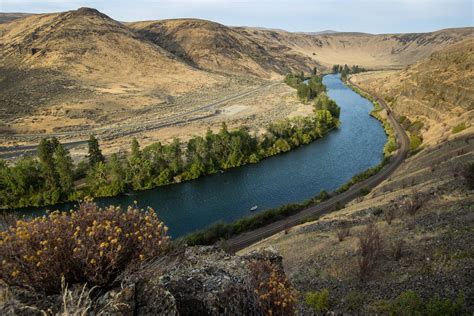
325 164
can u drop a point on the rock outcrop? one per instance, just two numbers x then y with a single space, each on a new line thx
192 281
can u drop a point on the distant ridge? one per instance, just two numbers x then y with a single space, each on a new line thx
83 65
320 32
7 17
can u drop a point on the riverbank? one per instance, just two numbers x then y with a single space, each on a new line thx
289 215
391 144
296 176
161 165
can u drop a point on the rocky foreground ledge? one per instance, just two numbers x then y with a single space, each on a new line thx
192 280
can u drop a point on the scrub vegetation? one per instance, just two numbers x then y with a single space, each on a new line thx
89 245
346 70
53 178
222 231
391 145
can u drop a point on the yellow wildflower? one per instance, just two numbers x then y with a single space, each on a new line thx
15 273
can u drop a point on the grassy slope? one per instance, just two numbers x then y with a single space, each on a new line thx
437 254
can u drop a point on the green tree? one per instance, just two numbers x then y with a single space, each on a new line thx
95 154
117 175
135 151
140 168
64 169
96 180
303 92
323 102
46 150
21 184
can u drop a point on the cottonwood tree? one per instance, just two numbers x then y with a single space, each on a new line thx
95 154
64 168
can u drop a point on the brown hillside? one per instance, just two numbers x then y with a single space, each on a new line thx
220 48
82 63
438 90
7 17
423 213
367 50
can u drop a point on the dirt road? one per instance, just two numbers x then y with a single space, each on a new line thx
123 130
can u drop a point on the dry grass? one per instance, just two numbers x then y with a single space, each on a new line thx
370 250
343 231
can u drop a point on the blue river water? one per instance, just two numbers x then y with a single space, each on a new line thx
295 176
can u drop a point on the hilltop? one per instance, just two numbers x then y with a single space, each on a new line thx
7 17
216 47
366 50
82 67
80 72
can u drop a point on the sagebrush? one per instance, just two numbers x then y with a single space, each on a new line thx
89 245
275 294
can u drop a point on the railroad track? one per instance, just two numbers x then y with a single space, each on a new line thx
246 239
124 130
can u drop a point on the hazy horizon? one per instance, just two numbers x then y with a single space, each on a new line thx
371 16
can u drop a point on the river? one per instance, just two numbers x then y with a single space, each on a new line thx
295 176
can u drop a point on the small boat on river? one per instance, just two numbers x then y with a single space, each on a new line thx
253 208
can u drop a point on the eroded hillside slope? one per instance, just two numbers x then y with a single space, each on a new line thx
437 91
82 66
216 47
422 214
367 50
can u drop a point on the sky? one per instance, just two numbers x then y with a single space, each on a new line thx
371 16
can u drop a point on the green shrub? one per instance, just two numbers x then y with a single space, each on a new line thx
390 146
444 307
459 128
318 300
365 191
354 301
408 303
415 142
380 307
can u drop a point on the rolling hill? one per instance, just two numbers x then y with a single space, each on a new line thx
367 50
7 17
83 65
223 49
437 90
82 69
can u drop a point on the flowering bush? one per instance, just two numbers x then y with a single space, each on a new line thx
89 244
274 293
